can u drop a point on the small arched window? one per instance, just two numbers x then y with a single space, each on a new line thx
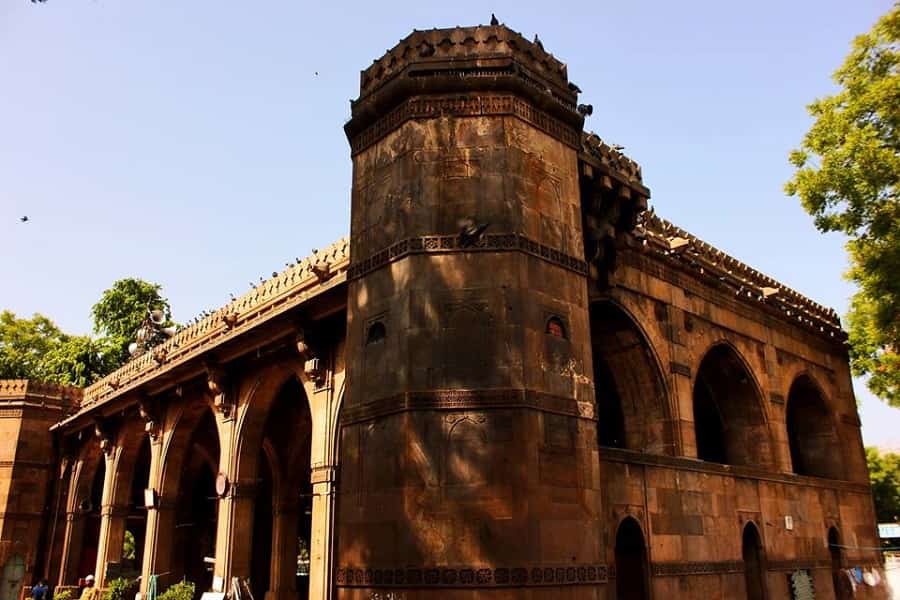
556 328
377 333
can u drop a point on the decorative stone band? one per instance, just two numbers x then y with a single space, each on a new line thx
467 400
472 576
424 107
437 244
675 569
798 565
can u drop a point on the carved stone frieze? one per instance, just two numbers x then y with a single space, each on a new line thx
465 106
676 569
509 242
798 564
473 576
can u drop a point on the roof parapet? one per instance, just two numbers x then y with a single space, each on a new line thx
676 243
239 314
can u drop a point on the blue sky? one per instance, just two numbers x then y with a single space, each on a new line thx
194 144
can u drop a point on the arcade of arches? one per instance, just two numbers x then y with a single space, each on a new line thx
177 453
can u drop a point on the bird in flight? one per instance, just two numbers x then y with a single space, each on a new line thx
24 219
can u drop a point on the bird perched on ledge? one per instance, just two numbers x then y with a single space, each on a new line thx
494 20
471 232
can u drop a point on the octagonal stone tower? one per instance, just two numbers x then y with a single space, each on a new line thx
468 448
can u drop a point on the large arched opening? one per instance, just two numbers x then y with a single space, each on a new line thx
754 563
124 518
136 522
196 508
729 422
632 407
282 515
813 440
632 582
90 506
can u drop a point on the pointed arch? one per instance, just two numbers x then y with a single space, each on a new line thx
843 589
730 423
753 555
273 446
632 569
812 435
632 395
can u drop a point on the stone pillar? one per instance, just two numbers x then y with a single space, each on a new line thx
73 538
234 524
112 520
160 518
321 544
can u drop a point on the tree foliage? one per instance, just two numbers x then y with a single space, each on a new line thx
848 171
121 310
24 343
884 474
38 349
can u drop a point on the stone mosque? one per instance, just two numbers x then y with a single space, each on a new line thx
512 380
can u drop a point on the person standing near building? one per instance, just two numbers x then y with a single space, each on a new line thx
89 592
40 591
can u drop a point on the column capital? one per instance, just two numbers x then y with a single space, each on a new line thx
323 474
110 510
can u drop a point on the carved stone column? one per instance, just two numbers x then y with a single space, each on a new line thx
73 538
235 508
112 519
321 545
159 518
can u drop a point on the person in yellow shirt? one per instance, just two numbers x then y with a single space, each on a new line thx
90 592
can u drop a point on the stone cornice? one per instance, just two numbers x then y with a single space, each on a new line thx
676 245
610 160
425 107
293 286
39 393
459 44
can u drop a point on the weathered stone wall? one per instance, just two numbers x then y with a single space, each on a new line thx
28 463
485 461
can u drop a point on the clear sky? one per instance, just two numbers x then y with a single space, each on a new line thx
199 144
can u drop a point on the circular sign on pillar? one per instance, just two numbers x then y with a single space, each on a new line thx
221 485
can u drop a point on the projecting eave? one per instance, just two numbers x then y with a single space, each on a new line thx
261 316
670 243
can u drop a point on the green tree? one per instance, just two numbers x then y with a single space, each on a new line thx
884 474
79 360
848 170
37 349
129 548
24 343
121 310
